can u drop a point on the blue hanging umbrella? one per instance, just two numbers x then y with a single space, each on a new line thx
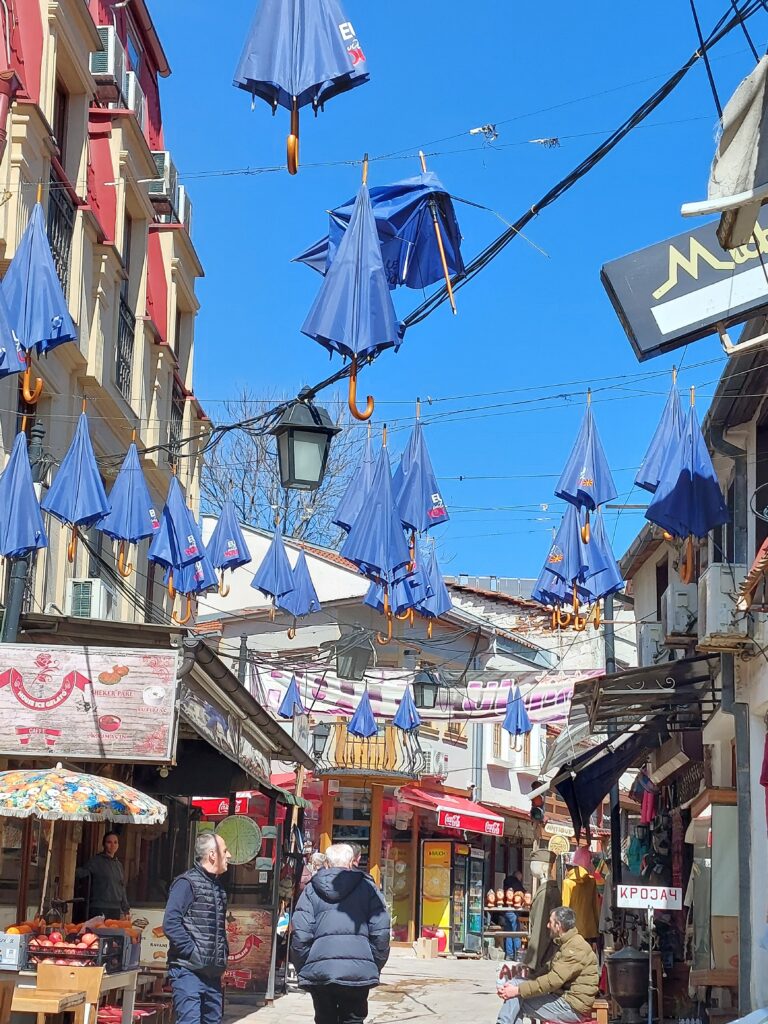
516 720
404 213
570 557
302 600
12 356
400 595
37 307
291 703
362 723
21 525
354 496
274 577
607 580
415 487
407 717
133 516
227 548
198 577
178 542
77 497
438 602
665 439
353 313
586 480
300 52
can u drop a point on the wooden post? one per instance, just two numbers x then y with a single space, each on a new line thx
326 819
25 854
413 865
374 842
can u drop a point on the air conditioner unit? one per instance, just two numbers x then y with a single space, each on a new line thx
135 97
649 643
90 599
164 190
721 625
108 67
679 614
184 209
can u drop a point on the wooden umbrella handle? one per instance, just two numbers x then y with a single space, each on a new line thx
293 140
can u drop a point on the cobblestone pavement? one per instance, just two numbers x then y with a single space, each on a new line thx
412 992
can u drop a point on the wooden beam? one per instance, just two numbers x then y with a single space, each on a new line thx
374 842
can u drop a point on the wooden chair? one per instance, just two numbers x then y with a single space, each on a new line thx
73 979
6 998
48 1002
599 1013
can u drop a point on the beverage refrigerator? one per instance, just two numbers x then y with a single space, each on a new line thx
452 875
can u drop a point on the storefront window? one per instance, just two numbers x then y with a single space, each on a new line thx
352 820
715 889
398 870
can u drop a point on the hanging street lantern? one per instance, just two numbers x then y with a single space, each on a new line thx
320 735
425 687
304 434
353 656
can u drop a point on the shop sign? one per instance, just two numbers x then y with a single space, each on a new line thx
558 845
212 720
88 703
641 897
678 290
470 823
557 828
213 808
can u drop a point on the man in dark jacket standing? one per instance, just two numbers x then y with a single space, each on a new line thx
195 925
340 939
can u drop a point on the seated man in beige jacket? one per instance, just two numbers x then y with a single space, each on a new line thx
566 991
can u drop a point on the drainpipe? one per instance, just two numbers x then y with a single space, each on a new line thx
477 760
9 86
739 456
740 712
609 639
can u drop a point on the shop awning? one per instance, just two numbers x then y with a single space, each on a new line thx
454 811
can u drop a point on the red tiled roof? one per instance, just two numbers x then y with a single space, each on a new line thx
497 595
325 553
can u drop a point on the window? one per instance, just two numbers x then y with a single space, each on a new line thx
497 736
133 52
60 227
176 425
60 117
662 582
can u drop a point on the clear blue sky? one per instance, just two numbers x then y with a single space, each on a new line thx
531 327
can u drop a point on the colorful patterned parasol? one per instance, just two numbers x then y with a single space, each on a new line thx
58 794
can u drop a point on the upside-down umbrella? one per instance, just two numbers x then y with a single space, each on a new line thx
291 703
415 487
37 307
227 548
21 523
353 313
300 52
198 577
362 723
688 501
608 579
303 599
407 718
12 356
77 497
354 497
665 439
176 545
516 720
438 602
133 516
586 480
274 577
404 212
399 595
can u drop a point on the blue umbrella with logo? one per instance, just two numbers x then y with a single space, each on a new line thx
133 516
227 548
516 720
586 480
353 312
436 600
274 577
77 497
415 486
362 723
37 307
688 501
291 703
608 579
198 577
407 718
665 440
177 544
302 600
300 53
21 524
354 496
400 595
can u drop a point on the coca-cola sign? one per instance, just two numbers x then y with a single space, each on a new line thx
470 823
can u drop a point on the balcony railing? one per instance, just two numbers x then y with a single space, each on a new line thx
176 426
126 334
61 225
391 752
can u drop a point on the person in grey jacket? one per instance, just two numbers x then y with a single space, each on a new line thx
107 895
340 940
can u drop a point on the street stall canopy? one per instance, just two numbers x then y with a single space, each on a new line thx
454 811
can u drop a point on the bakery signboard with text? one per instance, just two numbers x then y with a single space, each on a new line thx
91 703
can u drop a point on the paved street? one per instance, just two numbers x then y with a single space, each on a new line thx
413 991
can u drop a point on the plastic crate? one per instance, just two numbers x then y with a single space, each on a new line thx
14 952
108 952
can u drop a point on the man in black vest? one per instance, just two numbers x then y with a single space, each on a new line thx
195 925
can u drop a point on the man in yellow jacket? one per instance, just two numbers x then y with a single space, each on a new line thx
566 990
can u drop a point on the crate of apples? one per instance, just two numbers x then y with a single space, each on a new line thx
78 950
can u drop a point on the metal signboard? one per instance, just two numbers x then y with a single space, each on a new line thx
211 719
646 897
679 290
88 703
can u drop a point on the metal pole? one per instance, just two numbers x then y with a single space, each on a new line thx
20 567
650 965
609 636
242 663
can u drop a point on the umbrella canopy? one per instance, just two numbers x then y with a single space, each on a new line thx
666 438
404 592
438 602
415 487
77 495
227 548
570 557
197 577
551 589
357 489
516 720
291 703
353 312
37 307
607 580
362 723
376 543
407 718
688 501
178 542
586 480
302 51
274 577
12 357
403 212
302 600
21 522
133 516
56 793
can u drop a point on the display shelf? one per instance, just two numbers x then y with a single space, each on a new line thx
517 910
